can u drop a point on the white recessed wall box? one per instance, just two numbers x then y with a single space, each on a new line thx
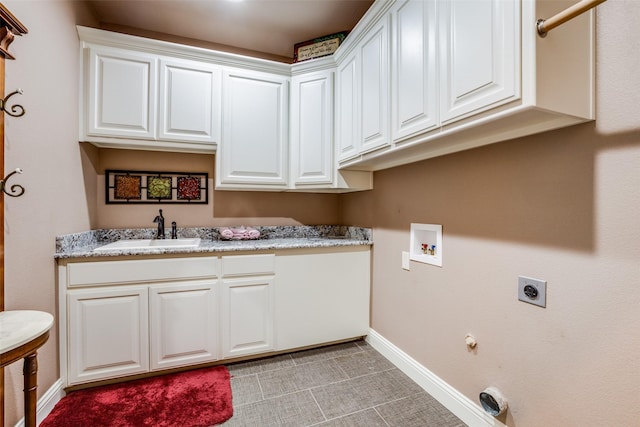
426 243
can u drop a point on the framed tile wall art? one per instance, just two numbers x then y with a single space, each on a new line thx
129 187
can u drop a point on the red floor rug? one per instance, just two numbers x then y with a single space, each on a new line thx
187 399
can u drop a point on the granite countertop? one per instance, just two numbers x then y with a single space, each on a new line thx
82 245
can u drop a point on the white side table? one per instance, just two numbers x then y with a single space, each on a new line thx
22 333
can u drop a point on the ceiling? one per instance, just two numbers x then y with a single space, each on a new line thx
267 26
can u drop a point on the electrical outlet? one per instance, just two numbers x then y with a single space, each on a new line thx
533 291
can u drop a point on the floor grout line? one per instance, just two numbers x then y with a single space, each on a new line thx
260 387
331 361
380 415
344 416
319 407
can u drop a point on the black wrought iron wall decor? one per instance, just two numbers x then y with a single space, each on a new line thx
17 110
16 190
130 187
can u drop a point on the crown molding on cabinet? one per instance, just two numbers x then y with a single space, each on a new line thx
159 47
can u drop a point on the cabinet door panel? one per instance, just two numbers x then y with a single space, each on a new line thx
184 324
108 333
255 130
312 128
247 316
479 55
375 90
121 94
347 108
415 101
190 97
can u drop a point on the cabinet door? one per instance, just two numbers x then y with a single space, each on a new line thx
348 108
108 335
254 143
312 128
415 100
480 57
121 93
247 315
374 93
190 97
183 324
329 305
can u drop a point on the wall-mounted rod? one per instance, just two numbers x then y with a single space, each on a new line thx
546 25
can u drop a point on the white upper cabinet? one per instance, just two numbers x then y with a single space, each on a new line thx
121 93
464 73
374 92
255 131
414 79
479 55
312 128
190 97
414 105
348 108
362 112
313 114
138 100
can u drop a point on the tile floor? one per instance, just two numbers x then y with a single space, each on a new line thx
344 385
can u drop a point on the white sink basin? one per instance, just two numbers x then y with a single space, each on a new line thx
149 244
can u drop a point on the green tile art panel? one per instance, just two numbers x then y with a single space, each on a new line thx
130 187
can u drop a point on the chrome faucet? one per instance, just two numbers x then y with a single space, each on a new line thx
160 220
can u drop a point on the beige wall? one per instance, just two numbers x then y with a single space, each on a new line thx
562 206
44 143
230 208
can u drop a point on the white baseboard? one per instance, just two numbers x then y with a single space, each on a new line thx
46 402
461 406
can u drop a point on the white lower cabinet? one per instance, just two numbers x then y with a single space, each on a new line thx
108 333
183 324
126 317
132 316
247 304
247 316
322 296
